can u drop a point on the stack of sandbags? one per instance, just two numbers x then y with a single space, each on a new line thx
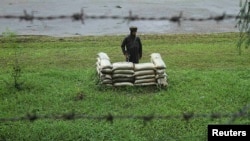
104 68
144 74
160 66
123 74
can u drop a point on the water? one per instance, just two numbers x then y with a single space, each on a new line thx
142 8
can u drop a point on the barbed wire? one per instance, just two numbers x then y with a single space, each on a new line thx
241 112
82 16
187 116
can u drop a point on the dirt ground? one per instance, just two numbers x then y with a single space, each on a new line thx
141 8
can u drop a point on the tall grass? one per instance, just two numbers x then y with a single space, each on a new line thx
205 75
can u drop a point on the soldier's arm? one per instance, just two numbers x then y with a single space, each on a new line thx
123 46
140 47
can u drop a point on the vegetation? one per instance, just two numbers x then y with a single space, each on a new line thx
243 21
205 75
10 38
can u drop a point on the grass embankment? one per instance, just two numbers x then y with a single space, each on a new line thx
206 75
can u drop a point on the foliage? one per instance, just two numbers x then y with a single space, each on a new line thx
243 21
10 38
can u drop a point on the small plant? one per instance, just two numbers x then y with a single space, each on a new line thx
10 39
16 74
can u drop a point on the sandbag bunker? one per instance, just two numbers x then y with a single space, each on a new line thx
129 74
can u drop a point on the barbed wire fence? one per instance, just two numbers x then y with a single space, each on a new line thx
82 17
243 113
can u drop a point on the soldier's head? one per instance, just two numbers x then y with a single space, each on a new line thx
133 30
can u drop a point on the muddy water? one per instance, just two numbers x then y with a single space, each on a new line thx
143 8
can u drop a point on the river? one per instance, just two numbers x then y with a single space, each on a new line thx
141 8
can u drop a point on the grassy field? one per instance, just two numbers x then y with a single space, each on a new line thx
206 75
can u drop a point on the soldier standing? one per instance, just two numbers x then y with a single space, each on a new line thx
132 47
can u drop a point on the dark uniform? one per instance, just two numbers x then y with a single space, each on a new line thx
132 47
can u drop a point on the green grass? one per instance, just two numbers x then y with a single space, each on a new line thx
206 75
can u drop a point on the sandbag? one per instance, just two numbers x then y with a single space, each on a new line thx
129 79
106 71
144 66
123 84
122 75
162 82
123 66
110 85
145 80
160 71
130 74
145 76
164 75
123 72
98 60
98 64
105 76
155 55
104 63
159 64
98 70
106 81
145 84
103 55
144 72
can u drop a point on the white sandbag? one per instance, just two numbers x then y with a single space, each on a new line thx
103 55
123 72
106 71
104 63
97 64
160 71
123 66
145 80
146 84
98 60
144 66
122 75
145 76
164 75
159 63
123 84
144 72
155 55
106 81
162 82
105 76
115 80
109 85
98 70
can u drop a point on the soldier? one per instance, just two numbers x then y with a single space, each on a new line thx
132 47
